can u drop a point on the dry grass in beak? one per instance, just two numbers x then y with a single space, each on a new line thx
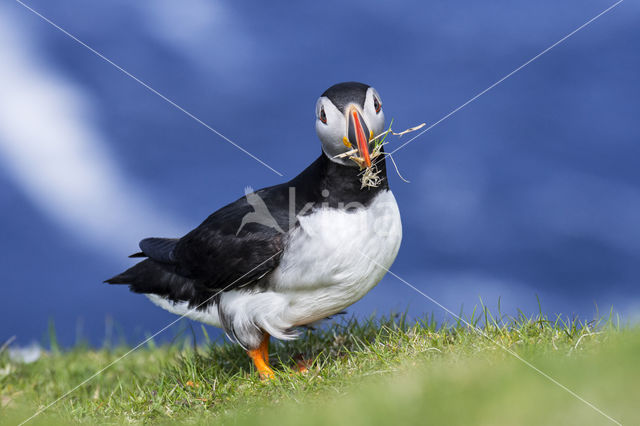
370 175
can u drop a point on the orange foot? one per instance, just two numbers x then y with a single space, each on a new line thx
260 357
302 364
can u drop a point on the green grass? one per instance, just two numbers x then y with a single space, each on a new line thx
380 371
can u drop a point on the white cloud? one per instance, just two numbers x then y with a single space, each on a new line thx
206 33
60 160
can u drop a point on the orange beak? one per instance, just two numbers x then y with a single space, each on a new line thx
359 134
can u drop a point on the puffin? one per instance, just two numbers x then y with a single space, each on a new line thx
286 256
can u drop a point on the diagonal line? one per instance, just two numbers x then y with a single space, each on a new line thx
146 86
476 329
88 379
482 333
479 331
507 76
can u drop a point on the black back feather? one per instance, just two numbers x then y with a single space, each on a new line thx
160 249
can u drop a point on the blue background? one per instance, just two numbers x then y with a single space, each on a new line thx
533 189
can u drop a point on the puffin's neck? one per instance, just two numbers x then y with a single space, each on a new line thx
342 182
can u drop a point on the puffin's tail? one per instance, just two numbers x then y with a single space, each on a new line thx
147 276
152 277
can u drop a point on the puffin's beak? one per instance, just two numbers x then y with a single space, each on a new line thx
359 134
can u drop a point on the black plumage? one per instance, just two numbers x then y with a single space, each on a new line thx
212 258
343 94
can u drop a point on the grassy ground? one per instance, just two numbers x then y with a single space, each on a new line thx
380 371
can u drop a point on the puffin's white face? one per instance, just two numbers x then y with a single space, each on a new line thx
344 123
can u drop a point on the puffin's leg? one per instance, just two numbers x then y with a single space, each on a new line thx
260 357
264 346
302 364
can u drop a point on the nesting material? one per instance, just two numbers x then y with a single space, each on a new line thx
369 177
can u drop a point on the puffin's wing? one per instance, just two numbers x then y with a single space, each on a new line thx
212 257
160 249
219 259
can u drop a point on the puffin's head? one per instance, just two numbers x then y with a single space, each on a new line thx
348 116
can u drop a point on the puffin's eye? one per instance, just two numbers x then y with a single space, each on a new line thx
323 116
377 105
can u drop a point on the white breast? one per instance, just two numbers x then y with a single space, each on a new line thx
335 257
